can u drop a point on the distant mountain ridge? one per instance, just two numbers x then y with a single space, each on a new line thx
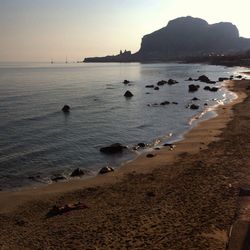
185 37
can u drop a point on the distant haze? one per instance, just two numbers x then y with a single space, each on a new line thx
38 30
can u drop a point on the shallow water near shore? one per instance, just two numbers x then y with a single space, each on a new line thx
38 141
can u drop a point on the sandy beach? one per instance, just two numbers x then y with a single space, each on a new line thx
186 198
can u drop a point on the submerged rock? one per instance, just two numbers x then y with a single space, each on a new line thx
66 108
141 145
239 76
149 86
156 88
164 103
106 170
194 106
171 82
126 81
162 82
113 149
128 94
213 89
221 79
205 79
77 172
193 88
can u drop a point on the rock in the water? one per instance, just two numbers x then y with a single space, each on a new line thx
194 106
171 82
205 79
128 94
77 172
165 103
221 79
66 108
153 105
106 170
126 81
156 88
190 79
239 77
113 149
149 86
139 145
193 88
175 103
213 89
162 82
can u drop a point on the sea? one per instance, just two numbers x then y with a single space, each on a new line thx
39 142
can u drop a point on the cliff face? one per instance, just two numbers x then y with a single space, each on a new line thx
188 36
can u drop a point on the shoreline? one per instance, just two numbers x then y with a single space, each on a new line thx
138 164
208 112
188 196
46 163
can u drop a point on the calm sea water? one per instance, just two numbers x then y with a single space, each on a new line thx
38 140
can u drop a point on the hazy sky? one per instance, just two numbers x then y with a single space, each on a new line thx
37 30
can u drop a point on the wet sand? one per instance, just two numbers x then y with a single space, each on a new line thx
181 199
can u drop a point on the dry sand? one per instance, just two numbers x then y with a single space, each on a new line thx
181 199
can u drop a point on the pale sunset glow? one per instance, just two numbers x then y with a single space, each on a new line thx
34 30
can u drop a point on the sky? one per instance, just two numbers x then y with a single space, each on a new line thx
41 30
